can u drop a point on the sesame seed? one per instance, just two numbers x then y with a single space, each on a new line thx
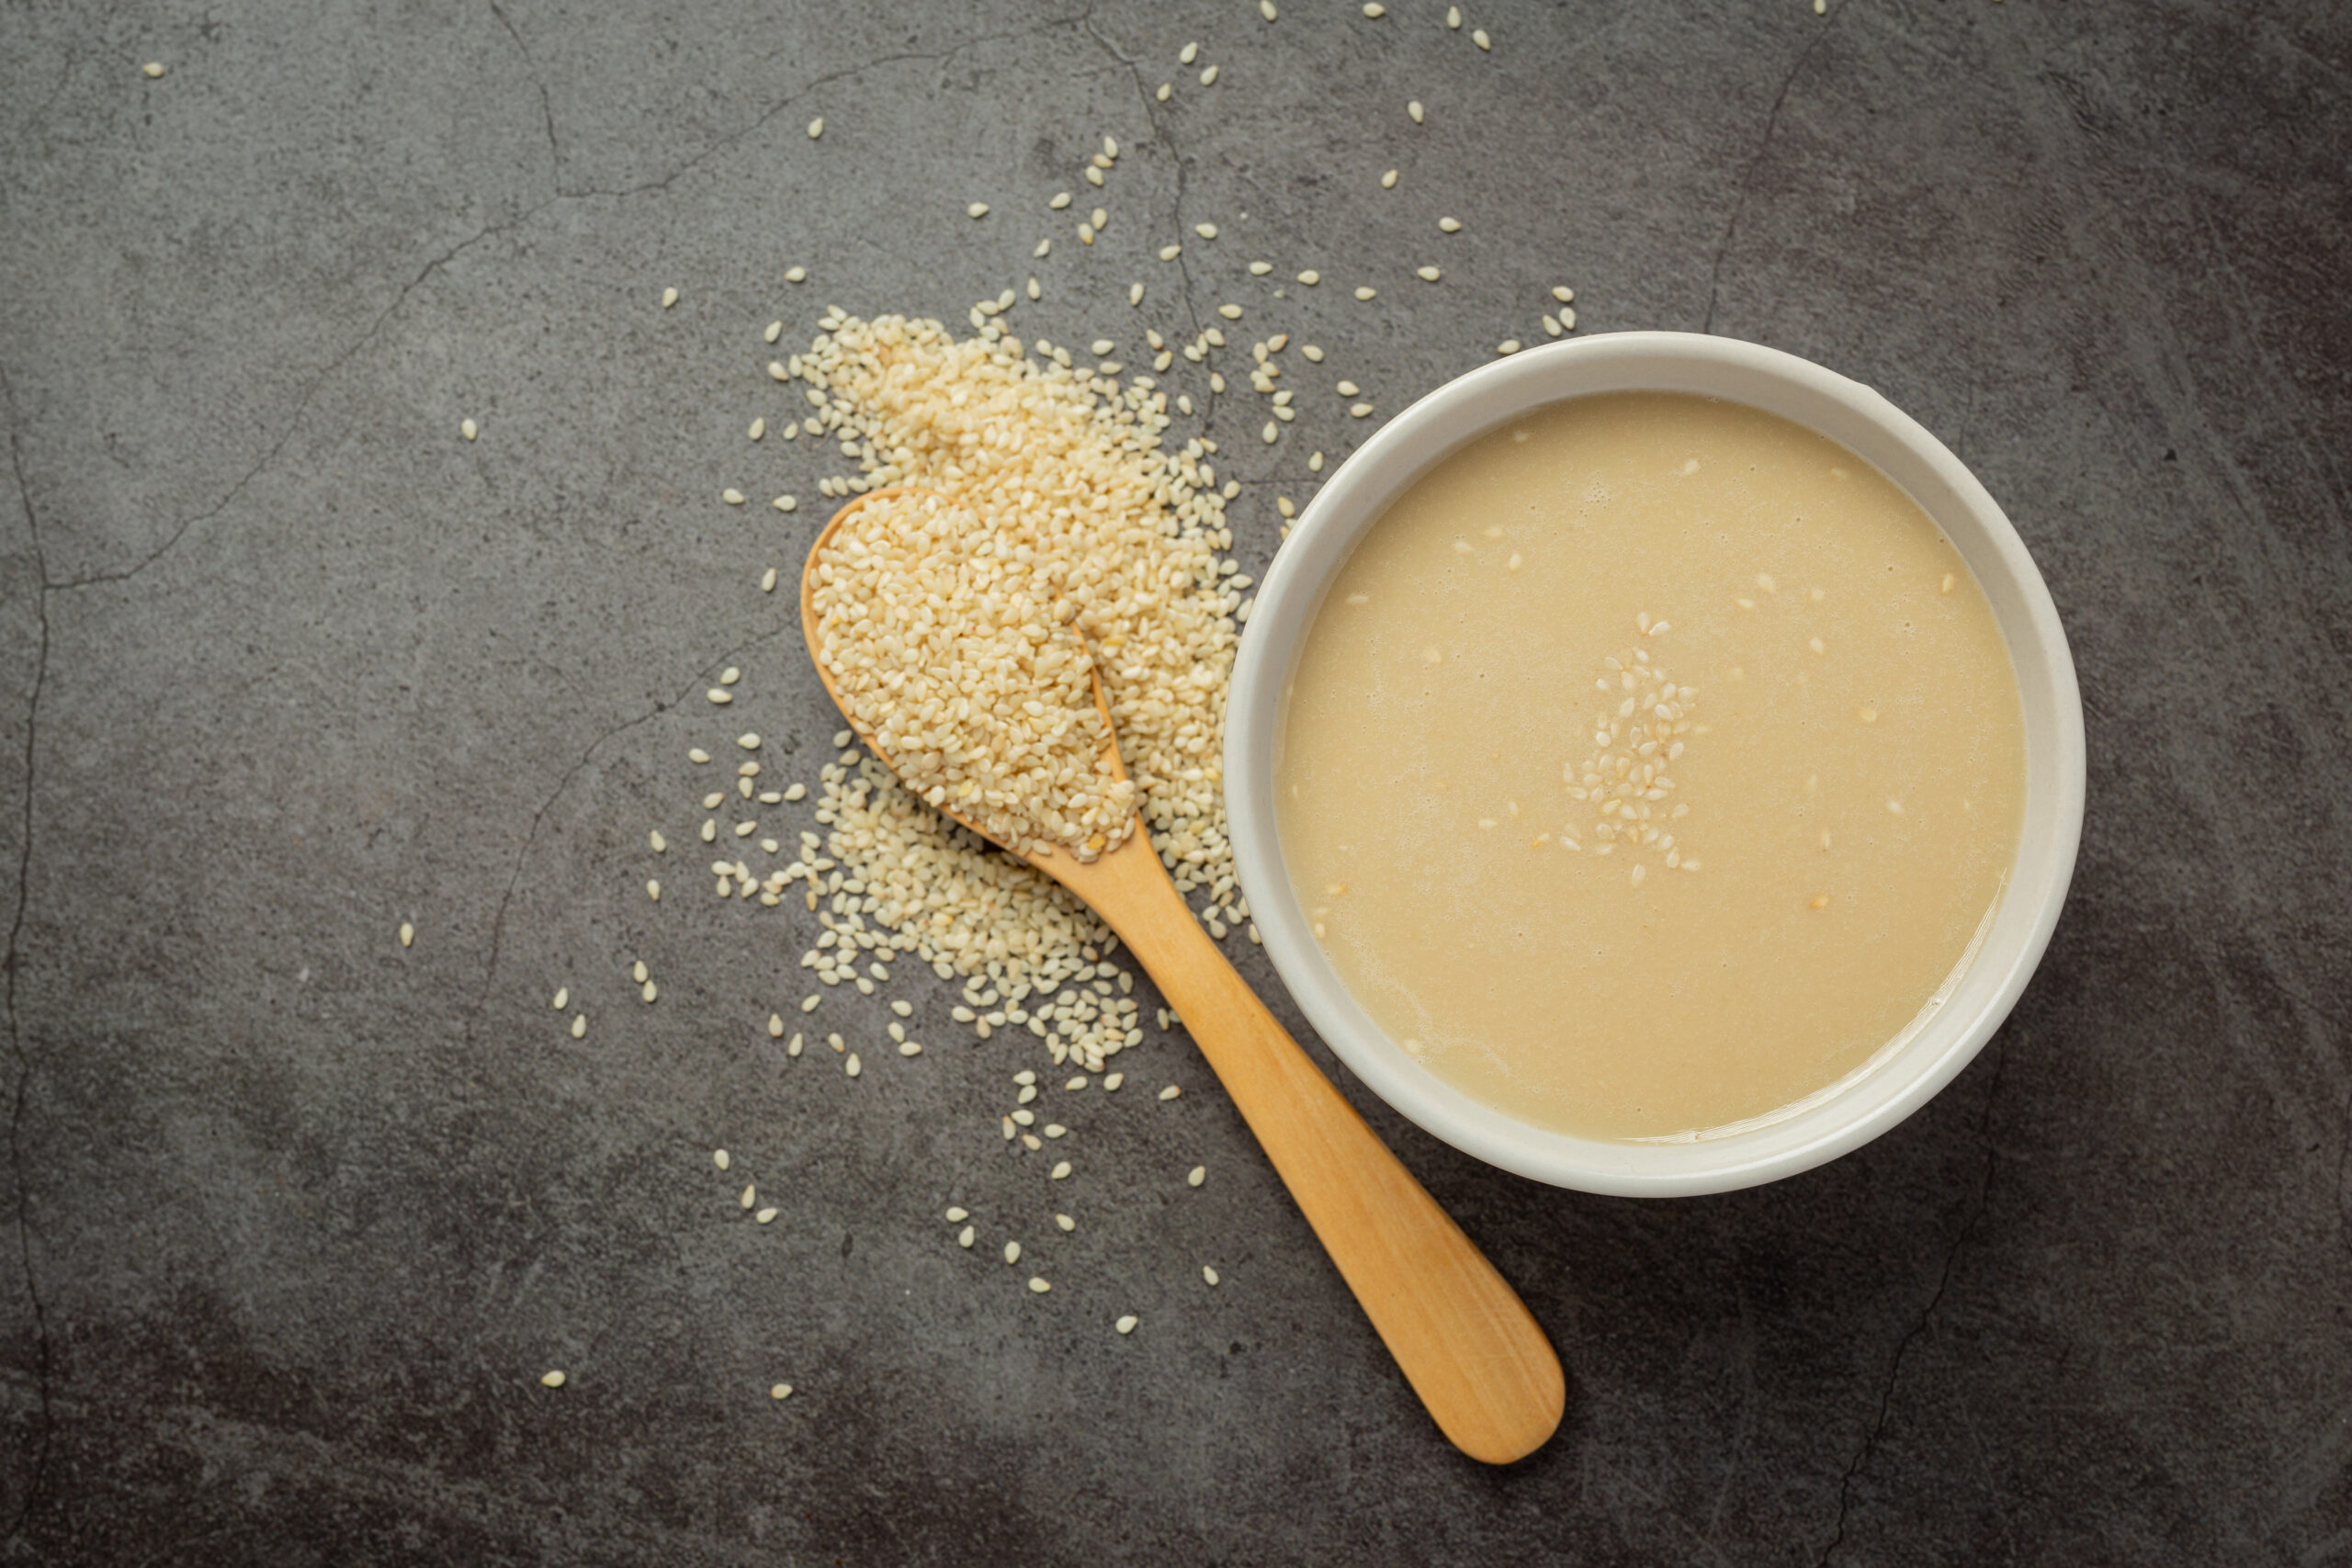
1208 77
1208 1274
669 298
1266 9
749 740
1453 17
1062 199
1314 355
1509 345
750 1196
552 1380
468 429
562 997
780 1391
1205 231
1564 294
697 754
1012 1253
1038 1285
1550 326
1449 225
1359 411
1230 312
1197 1175
1414 109
1311 277
1127 1324
852 1066
1388 180
809 1004
1135 293
721 1158
1064 1222
720 695
1478 35
1162 91
1060 1170
1375 10
965 1237
579 1025
1568 319
816 128
1426 274
1170 1092
1189 53
764 1217
1348 388
152 70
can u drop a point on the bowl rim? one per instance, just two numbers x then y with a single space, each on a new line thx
1902 1075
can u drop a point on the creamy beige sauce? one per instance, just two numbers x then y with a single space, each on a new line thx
1836 747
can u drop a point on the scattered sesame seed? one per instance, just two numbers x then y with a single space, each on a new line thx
1012 1253
1349 389
562 995
1112 1080
552 1380
1197 1175
1366 292
1208 1274
1449 225
1135 293
1170 1092
1189 53
1038 1285
468 429
1162 91
764 1217
669 298
816 128
721 1158
1564 294
1205 231
1388 180
852 1066
749 740
1359 411
965 1237
978 210
809 1004
1061 1169
697 754
1064 1222
1414 109
1208 77
1266 9
1127 1324
1311 277
1509 345
152 70
579 1025
750 1196
1375 10
780 1391
1062 199
408 934
1478 35
1426 274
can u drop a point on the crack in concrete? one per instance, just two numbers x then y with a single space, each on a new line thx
301 406
1927 1313
1747 171
9 967
546 107
847 74
1176 205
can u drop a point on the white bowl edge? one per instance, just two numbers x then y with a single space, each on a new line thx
1845 410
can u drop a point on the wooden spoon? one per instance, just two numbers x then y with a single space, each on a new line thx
1468 1346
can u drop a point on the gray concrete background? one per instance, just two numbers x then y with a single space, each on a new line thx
294 1218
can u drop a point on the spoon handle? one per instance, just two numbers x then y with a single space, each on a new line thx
1468 1346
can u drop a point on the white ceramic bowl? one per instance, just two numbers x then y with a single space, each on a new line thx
1902 1076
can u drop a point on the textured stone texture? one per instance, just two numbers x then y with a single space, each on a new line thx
293 1219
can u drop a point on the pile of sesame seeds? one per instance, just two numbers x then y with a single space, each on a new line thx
1637 736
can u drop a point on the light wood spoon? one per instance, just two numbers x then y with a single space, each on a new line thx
1468 1346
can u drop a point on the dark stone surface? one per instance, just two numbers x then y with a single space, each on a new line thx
293 1218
